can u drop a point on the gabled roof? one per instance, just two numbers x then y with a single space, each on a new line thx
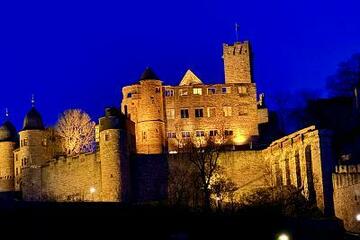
190 79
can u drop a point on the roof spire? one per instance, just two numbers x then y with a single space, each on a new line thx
33 100
6 113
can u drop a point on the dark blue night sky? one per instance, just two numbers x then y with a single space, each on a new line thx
80 55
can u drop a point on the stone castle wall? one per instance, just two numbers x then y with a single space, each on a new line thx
7 166
346 182
245 168
300 160
72 178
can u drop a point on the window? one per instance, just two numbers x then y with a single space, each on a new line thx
17 171
129 95
200 133
144 135
169 92
228 132
199 112
242 89
185 134
44 142
170 113
211 111
25 143
226 90
106 137
171 135
211 91
184 113
183 92
157 90
227 111
213 133
197 91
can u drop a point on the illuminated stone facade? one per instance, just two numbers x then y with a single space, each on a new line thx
193 109
131 164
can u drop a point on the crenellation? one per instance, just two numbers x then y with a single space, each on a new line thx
130 162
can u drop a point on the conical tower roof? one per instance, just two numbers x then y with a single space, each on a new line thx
149 74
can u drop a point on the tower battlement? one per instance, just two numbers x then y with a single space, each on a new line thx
237 62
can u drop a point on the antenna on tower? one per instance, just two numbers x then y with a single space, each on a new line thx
33 100
237 32
6 112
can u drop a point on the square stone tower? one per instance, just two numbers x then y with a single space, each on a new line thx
237 64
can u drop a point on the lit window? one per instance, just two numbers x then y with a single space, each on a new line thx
183 92
211 91
200 133
184 113
169 92
44 142
228 132
170 113
199 112
197 91
171 135
185 134
211 111
242 89
213 133
226 90
227 111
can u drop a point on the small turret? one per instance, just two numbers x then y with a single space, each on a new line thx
33 153
150 127
8 142
114 155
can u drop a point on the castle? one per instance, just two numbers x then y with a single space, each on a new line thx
137 142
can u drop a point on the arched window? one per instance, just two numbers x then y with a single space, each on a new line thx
309 175
298 170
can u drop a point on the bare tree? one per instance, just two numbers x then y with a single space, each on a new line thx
204 156
76 132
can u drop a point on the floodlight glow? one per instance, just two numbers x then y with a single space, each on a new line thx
358 217
92 190
283 236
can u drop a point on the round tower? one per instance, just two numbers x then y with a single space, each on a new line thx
114 157
150 126
8 142
32 154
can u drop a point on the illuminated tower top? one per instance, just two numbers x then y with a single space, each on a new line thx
237 63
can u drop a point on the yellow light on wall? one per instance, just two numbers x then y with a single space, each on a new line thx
239 139
92 190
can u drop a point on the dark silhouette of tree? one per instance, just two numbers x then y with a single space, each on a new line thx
346 78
